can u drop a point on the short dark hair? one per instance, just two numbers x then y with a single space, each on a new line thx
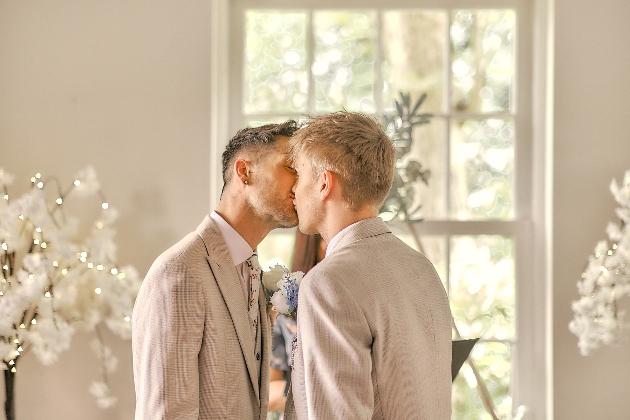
252 138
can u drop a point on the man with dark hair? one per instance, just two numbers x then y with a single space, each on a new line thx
201 332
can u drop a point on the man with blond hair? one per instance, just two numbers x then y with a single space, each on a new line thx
374 325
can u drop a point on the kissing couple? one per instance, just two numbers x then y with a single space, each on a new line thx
373 321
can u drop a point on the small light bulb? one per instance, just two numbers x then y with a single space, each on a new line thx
1 293
121 276
21 217
77 183
33 321
40 185
97 290
105 206
13 369
16 341
59 200
38 230
6 197
38 175
33 180
20 348
5 246
36 241
12 362
17 353
127 318
55 264
90 265
22 326
6 267
44 245
64 271
83 259
47 294
99 267
99 225
114 271
84 254
30 276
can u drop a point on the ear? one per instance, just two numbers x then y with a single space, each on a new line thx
242 169
327 182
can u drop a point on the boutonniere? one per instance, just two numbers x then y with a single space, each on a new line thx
281 289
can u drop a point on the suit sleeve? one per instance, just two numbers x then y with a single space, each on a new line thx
334 344
167 331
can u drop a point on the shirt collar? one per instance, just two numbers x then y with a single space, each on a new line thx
238 247
333 241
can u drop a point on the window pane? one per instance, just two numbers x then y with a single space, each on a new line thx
413 56
482 165
343 69
492 361
482 286
276 78
277 248
482 66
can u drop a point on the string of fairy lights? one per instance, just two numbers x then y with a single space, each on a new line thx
597 319
37 242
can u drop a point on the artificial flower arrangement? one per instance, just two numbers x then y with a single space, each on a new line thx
597 320
59 275
281 289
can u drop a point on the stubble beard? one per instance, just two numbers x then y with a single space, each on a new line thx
273 213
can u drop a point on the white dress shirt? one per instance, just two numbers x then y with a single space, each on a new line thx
331 244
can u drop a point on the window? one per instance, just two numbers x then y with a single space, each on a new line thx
287 60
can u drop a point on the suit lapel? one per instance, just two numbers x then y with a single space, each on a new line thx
227 279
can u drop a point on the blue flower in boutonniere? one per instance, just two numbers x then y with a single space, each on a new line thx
285 300
281 289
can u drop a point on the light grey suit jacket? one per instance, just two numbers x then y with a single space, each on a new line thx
193 353
374 333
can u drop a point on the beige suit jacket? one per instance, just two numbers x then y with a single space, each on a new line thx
374 333
193 353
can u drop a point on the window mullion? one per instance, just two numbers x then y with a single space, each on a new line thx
310 59
447 113
378 87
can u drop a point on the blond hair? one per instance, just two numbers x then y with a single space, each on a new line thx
355 148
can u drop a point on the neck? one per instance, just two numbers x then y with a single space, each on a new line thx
340 217
238 215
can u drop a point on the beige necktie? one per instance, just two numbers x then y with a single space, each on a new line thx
254 289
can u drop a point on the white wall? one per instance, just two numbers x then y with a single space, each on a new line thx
592 146
122 85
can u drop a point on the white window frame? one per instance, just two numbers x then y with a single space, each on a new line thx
531 228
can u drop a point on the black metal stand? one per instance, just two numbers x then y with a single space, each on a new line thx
9 385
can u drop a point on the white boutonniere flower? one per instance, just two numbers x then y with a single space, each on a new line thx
281 289
271 278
